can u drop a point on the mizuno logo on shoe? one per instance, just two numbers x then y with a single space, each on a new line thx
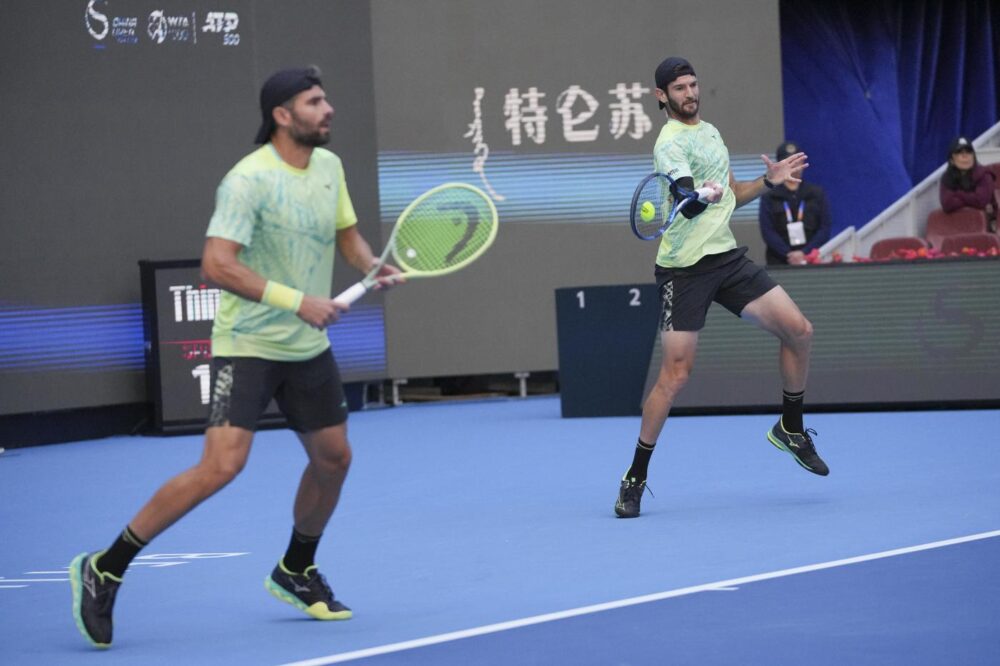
300 588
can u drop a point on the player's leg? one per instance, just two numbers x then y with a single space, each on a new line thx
312 398
679 348
241 390
777 313
684 303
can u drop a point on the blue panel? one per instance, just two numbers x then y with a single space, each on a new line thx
563 187
81 338
110 337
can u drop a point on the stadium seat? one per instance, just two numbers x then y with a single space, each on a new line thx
886 248
980 242
962 221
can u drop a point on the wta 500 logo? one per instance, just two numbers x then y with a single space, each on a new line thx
160 27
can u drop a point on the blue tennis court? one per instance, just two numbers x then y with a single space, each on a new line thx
483 532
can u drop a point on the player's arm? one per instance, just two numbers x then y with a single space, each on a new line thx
220 263
358 253
776 174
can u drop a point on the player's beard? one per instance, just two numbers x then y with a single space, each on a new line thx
317 136
678 109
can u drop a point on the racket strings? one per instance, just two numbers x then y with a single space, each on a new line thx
443 231
657 193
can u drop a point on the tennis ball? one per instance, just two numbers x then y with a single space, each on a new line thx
410 253
647 211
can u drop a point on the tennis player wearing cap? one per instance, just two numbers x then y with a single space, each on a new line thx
698 262
279 214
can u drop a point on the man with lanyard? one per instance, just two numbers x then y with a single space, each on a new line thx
698 262
280 213
794 217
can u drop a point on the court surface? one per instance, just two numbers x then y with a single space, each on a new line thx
483 533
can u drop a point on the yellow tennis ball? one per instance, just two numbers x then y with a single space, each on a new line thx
648 211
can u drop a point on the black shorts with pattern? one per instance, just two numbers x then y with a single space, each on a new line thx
729 279
309 393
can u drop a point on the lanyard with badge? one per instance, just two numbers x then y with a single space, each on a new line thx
796 230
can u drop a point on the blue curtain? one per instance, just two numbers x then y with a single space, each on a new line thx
875 91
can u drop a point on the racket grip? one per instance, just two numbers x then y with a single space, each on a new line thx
351 294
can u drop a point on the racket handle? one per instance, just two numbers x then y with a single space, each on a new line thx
351 294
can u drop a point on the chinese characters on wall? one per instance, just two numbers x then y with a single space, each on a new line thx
526 118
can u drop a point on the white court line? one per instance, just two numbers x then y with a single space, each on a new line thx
622 603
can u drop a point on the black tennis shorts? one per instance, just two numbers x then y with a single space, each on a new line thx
729 279
309 393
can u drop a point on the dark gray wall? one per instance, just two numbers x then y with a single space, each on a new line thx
429 56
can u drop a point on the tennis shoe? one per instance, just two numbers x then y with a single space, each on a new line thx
629 497
306 591
93 599
800 445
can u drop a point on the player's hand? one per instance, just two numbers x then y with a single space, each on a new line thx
787 170
388 276
320 312
716 194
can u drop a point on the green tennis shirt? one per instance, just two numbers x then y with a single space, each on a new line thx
699 152
287 220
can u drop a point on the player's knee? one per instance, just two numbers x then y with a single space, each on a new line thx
803 331
674 376
218 473
335 460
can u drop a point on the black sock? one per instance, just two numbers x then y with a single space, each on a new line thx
301 552
640 462
115 560
791 411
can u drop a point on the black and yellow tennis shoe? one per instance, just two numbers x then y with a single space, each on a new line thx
93 599
800 445
306 591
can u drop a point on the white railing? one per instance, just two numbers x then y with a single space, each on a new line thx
908 215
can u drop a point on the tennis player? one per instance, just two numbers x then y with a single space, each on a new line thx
279 214
699 262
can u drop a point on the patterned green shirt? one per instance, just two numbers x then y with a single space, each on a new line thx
287 220
699 152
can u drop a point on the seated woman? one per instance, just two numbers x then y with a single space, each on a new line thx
966 182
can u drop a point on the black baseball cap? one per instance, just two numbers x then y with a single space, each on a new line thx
786 149
670 69
278 89
960 144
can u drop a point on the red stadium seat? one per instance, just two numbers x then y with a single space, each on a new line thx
980 242
886 248
962 221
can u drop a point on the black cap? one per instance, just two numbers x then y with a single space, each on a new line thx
670 69
961 143
278 89
786 149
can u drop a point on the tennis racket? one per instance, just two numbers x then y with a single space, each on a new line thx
657 201
441 231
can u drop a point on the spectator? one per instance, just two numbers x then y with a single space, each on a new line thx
794 216
966 182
